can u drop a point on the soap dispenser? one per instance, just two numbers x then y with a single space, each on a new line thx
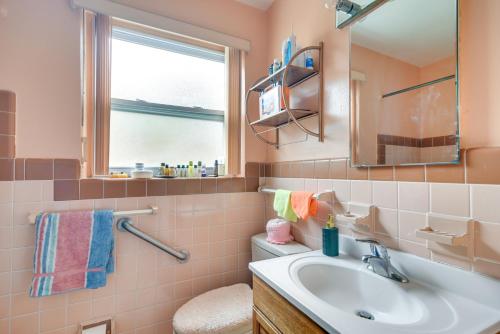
330 238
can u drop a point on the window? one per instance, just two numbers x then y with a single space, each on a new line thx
167 101
151 96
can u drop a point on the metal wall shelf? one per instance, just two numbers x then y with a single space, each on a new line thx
282 118
289 76
296 75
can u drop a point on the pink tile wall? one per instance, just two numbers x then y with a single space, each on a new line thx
148 285
401 209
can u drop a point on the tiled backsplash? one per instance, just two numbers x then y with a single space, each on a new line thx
401 209
148 285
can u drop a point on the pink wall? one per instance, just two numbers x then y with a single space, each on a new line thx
479 69
312 23
40 61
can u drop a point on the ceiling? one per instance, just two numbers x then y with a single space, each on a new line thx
260 4
419 32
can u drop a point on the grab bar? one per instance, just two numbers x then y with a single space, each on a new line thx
124 224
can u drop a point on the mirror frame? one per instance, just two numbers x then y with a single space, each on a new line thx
353 134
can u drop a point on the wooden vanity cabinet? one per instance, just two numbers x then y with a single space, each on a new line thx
273 314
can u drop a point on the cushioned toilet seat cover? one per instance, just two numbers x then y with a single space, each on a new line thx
226 310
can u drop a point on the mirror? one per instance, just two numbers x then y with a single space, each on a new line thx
403 83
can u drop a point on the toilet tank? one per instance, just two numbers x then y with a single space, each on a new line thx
263 250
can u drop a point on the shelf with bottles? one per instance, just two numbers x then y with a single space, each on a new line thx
289 76
296 75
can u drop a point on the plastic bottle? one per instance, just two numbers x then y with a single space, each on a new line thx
309 63
216 168
162 169
221 167
203 171
190 169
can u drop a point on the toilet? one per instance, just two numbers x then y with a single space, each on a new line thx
228 310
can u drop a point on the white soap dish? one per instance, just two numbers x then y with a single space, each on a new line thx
444 238
358 217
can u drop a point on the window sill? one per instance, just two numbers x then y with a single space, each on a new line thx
105 187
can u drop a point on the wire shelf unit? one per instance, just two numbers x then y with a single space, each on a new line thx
289 76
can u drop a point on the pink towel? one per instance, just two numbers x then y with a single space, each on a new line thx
73 250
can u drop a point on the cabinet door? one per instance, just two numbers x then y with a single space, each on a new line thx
262 325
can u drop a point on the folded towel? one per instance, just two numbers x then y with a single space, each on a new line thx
282 205
303 204
73 250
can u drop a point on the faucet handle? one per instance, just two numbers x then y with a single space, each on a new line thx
374 249
369 241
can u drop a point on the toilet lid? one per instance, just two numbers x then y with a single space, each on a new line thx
226 310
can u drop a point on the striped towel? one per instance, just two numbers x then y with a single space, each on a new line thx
73 250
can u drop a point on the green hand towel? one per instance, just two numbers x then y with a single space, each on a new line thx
283 206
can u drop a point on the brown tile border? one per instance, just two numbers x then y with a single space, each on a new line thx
66 169
115 188
7 123
156 187
7 146
19 169
136 188
7 126
39 169
6 169
91 188
66 190
481 167
7 101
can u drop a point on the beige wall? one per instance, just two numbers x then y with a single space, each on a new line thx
479 66
313 23
40 61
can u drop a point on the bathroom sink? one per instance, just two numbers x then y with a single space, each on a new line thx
359 292
363 294
341 295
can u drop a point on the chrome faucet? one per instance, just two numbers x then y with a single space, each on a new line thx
380 262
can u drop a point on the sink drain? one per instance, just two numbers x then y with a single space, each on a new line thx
365 315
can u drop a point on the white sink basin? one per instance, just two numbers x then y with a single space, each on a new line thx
341 295
370 297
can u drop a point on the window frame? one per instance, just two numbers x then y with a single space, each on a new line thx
98 33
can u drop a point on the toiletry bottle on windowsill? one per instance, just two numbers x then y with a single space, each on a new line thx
330 238
216 169
190 172
221 167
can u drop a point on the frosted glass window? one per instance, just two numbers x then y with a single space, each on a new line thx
187 95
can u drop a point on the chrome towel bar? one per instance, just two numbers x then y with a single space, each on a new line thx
124 224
